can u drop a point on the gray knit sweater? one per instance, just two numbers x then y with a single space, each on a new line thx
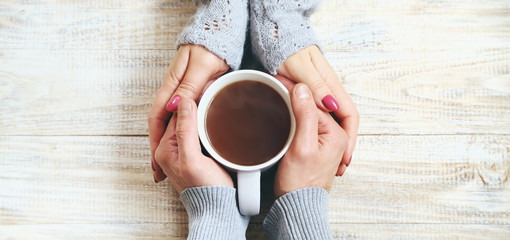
220 26
278 29
213 214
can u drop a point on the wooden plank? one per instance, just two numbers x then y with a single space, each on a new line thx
93 24
255 231
98 92
392 180
341 25
109 231
425 179
420 231
413 26
110 92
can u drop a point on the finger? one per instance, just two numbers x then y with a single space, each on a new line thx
306 73
202 67
341 170
159 174
346 112
186 131
349 116
206 86
289 84
350 125
305 112
333 138
158 117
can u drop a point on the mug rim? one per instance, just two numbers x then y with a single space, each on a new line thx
220 84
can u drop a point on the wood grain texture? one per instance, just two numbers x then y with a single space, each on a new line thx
412 67
255 232
110 92
413 25
431 80
430 180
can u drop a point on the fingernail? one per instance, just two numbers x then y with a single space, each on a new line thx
302 91
173 103
349 162
344 169
330 103
155 179
185 108
152 165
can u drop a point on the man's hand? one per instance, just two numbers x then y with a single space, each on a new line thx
179 153
316 150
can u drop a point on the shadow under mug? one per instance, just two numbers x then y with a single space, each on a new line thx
248 177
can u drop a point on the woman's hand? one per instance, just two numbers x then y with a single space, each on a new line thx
310 67
192 67
316 150
179 153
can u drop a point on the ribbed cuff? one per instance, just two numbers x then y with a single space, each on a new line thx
213 213
301 214
220 26
279 29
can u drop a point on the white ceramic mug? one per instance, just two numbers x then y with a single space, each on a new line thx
248 177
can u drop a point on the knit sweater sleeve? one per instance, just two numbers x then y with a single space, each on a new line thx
301 214
220 26
280 28
213 213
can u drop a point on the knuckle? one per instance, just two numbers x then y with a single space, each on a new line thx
309 112
164 158
332 78
222 67
171 78
181 132
319 85
187 89
304 152
150 119
168 158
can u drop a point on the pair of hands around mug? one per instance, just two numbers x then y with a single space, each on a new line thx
311 160
194 67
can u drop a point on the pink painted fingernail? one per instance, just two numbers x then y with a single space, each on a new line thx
349 162
172 104
330 103
155 179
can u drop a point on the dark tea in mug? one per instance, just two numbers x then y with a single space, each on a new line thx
248 123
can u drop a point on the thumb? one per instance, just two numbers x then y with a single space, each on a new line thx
186 129
306 114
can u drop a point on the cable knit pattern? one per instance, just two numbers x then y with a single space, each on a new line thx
213 213
220 26
301 214
280 28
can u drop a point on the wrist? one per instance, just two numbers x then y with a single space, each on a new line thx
300 214
213 213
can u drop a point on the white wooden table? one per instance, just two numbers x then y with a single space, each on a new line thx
431 80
